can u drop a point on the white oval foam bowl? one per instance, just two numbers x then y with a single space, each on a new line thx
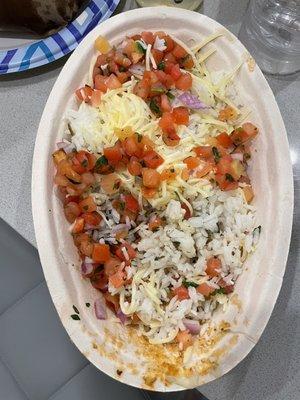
108 345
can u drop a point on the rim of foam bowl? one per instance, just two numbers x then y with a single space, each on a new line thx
271 172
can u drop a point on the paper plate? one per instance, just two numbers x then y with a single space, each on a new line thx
116 350
40 52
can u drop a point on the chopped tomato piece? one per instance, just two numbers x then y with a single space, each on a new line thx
185 339
72 211
203 170
187 62
181 292
100 83
184 82
155 223
225 140
99 281
118 279
157 55
92 219
228 113
179 51
87 205
82 162
169 58
168 174
58 156
147 37
205 289
165 103
169 42
192 162
204 152
78 225
127 250
213 266
227 288
224 183
113 82
101 253
152 159
111 266
175 72
181 115
131 146
131 203
187 214
167 123
110 183
113 154
84 93
148 193
70 199
96 98
151 178
134 167
241 135
224 165
171 139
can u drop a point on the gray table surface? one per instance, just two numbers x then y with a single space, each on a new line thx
272 370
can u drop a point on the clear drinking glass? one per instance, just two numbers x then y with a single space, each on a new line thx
271 33
189 4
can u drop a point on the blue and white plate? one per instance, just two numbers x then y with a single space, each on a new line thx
52 48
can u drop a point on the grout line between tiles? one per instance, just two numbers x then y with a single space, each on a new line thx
18 383
12 306
67 383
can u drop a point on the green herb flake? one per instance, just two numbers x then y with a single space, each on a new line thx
172 170
140 48
75 317
122 69
189 284
216 154
247 156
219 291
161 65
229 177
85 208
88 304
101 161
75 309
157 90
170 95
155 108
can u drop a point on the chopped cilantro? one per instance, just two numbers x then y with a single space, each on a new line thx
122 69
139 137
157 90
216 154
75 309
247 156
87 304
154 107
140 48
170 95
229 177
161 65
101 161
85 208
189 284
219 291
75 317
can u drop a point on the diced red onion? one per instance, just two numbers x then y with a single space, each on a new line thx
122 317
137 69
65 145
237 156
100 309
192 101
87 268
192 326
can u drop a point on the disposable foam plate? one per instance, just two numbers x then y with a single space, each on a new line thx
116 350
